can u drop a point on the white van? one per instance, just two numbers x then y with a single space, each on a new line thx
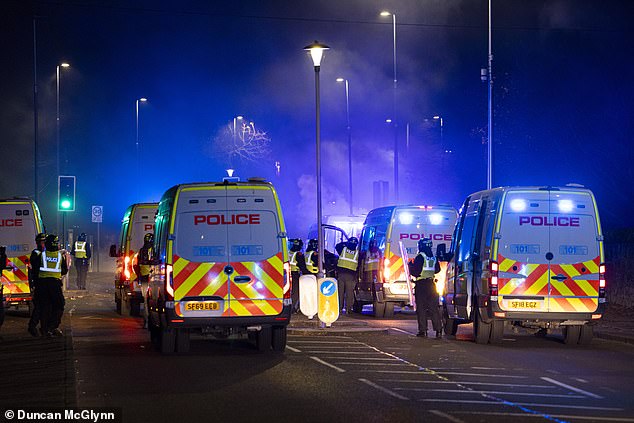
137 221
382 277
220 265
530 257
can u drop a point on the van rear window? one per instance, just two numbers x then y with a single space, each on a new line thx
143 223
411 225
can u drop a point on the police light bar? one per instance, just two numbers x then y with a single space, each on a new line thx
231 179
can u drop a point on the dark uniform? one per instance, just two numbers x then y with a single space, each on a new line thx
144 260
36 310
347 271
422 271
48 268
82 253
298 268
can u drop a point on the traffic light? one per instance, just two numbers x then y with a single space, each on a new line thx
66 193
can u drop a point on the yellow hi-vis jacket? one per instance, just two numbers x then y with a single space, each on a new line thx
429 265
51 266
312 267
293 262
80 250
349 259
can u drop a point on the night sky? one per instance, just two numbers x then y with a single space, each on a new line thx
563 109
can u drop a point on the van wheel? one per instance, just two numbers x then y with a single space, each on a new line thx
379 309
389 310
481 330
167 340
182 340
263 339
571 334
357 307
497 331
586 335
278 340
449 324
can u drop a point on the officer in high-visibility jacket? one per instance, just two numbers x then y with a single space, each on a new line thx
144 260
49 267
82 253
312 257
347 271
36 309
298 268
422 271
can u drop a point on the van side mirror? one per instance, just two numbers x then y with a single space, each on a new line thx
113 251
441 252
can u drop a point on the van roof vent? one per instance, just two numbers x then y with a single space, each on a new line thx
574 185
256 179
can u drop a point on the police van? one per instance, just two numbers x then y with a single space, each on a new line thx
20 222
528 257
137 221
220 265
382 275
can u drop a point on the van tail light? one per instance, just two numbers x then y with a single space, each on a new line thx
287 280
602 280
493 278
169 282
386 270
126 268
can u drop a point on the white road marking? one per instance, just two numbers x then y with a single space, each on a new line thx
572 388
382 389
322 342
567 417
525 404
339 369
319 336
462 391
340 352
360 358
489 368
482 375
403 331
580 380
446 416
371 364
467 383
295 350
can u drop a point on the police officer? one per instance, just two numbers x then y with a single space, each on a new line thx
312 257
82 253
3 265
298 267
48 268
347 271
144 260
36 310
422 270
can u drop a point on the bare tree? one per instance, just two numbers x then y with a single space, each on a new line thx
240 140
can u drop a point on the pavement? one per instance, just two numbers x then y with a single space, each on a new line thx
45 372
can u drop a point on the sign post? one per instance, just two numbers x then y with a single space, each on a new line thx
97 217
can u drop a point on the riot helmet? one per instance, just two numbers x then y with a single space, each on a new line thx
424 245
81 237
312 245
352 243
52 242
296 244
148 238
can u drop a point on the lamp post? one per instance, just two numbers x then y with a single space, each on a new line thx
439 118
348 130
316 51
490 111
63 65
233 138
385 13
138 162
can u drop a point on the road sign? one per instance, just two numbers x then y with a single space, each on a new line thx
328 301
97 214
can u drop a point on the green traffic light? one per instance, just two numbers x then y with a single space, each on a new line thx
65 204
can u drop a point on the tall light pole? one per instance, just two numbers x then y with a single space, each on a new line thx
348 130
439 118
316 51
490 112
394 118
63 65
233 138
35 123
138 157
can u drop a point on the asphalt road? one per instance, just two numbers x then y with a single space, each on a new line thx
351 377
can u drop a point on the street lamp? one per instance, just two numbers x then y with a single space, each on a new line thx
439 118
62 65
490 111
349 142
385 13
316 51
138 162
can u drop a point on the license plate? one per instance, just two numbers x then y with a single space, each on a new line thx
525 305
201 306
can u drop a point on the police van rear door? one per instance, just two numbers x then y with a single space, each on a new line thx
142 223
255 250
19 225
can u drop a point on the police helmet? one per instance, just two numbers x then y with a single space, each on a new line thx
82 237
352 243
312 245
52 242
296 244
40 237
424 243
148 238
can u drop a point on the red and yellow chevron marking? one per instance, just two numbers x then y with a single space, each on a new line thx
570 295
16 281
397 272
261 296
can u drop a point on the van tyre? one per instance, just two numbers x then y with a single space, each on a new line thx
481 330
571 334
263 339
278 340
586 334
497 331
379 309
182 340
135 308
357 307
389 310
166 340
